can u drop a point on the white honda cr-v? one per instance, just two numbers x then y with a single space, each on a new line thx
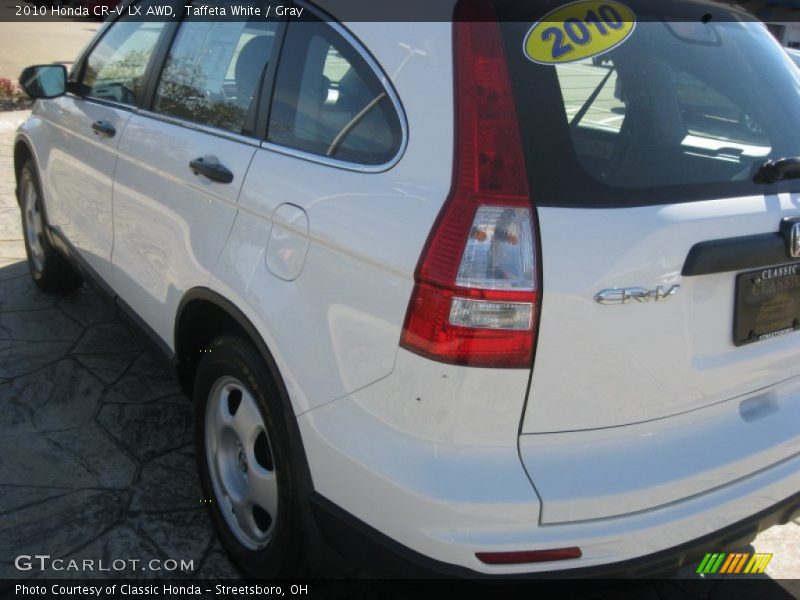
516 291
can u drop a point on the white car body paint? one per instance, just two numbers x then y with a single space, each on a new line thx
78 167
448 466
365 234
638 362
170 224
640 427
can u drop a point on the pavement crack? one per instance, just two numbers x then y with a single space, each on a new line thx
77 457
27 505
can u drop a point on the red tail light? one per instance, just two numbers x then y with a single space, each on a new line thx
475 297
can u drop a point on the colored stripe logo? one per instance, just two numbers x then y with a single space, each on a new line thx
733 563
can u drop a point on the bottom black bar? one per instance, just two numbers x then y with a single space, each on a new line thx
741 588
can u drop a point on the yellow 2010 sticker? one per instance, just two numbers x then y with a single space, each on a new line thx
579 30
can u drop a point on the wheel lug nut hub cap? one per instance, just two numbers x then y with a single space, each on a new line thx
241 460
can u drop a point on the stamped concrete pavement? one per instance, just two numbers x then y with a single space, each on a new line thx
96 458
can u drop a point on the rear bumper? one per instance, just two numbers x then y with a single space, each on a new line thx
617 471
366 545
432 505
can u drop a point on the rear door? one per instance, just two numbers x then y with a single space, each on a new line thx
183 162
660 293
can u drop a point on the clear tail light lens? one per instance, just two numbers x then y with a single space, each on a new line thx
499 253
514 316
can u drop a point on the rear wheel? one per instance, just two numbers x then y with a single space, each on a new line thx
49 269
243 457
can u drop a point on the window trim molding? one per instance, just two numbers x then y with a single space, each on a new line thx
346 165
201 127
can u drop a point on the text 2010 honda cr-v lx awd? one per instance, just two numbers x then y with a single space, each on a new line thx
513 292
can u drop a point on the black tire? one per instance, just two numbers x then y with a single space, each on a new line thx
231 358
48 267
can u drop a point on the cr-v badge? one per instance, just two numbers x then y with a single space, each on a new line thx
636 294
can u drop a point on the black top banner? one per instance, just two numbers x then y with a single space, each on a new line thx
384 10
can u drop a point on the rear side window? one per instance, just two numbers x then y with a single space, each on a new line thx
677 112
214 69
116 66
328 101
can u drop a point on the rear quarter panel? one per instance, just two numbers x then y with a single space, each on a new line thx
336 327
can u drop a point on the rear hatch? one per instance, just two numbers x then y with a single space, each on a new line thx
658 247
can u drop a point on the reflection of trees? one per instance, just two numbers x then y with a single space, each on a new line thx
126 73
183 92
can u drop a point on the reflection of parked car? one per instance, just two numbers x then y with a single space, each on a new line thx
454 308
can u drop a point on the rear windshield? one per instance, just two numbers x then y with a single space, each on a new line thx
679 110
